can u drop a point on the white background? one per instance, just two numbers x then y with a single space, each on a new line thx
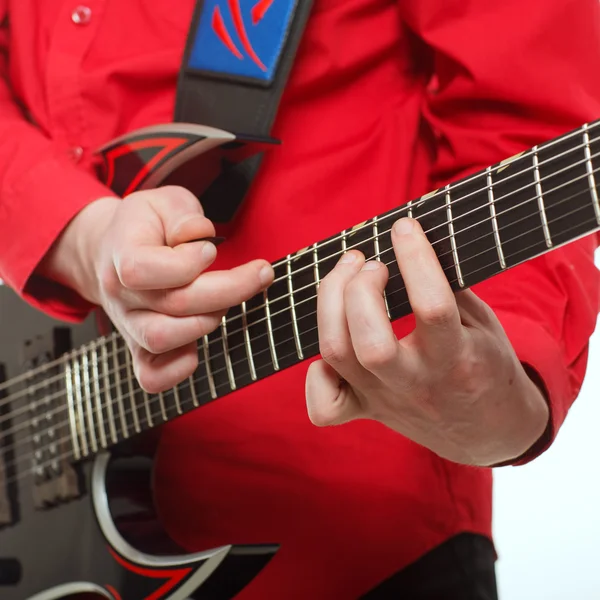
547 519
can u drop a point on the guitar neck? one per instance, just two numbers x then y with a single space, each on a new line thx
479 226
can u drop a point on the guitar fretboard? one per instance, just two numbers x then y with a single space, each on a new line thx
478 226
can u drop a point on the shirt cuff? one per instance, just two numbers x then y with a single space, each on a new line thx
35 210
543 358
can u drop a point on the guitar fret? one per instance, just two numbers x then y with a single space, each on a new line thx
290 286
88 399
540 197
590 171
109 400
193 391
378 258
495 228
116 367
71 403
228 364
459 276
79 404
130 385
97 395
316 260
177 400
279 325
247 342
270 332
211 381
161 402
147 408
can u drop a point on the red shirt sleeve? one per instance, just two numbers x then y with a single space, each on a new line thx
41 190
509 75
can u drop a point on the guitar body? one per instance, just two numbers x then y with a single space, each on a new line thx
103 539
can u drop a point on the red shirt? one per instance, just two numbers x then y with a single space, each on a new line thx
349 505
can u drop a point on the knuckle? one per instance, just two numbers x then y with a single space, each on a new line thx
145 374
333 351
470 374
437 314
206 324
322 416
174 302
109 281
376 356
148 381
178 196
154 338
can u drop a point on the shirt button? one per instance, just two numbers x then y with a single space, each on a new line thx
82 15
76 153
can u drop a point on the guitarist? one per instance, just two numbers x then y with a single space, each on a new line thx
372 466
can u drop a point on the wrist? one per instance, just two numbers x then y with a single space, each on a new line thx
71 261
525 419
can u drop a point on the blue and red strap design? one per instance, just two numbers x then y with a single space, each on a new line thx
241 38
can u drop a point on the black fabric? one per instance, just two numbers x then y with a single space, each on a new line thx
239 107
231 104
462 568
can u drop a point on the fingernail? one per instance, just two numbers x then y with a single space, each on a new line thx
266 275
370 265
347 258
208 251
404 226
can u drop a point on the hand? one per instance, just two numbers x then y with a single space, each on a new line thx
453 385
137 258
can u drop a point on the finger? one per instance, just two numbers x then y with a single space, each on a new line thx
373 339
438 325
160 372
158 333
181 214
146 267
211 292
169 215
329 400
474 311
335 344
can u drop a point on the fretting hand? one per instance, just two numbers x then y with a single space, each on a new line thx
453 385
137 258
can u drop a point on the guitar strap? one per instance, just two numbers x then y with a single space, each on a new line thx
237 59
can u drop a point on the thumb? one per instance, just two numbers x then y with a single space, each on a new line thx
181 215
329 399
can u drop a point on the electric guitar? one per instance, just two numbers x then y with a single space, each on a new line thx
75 496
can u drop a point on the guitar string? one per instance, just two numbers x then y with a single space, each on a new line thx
586 128
69 454
110 354
407 207
128 396
368 224
286 309
288 295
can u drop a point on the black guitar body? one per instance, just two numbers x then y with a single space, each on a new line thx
95 530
